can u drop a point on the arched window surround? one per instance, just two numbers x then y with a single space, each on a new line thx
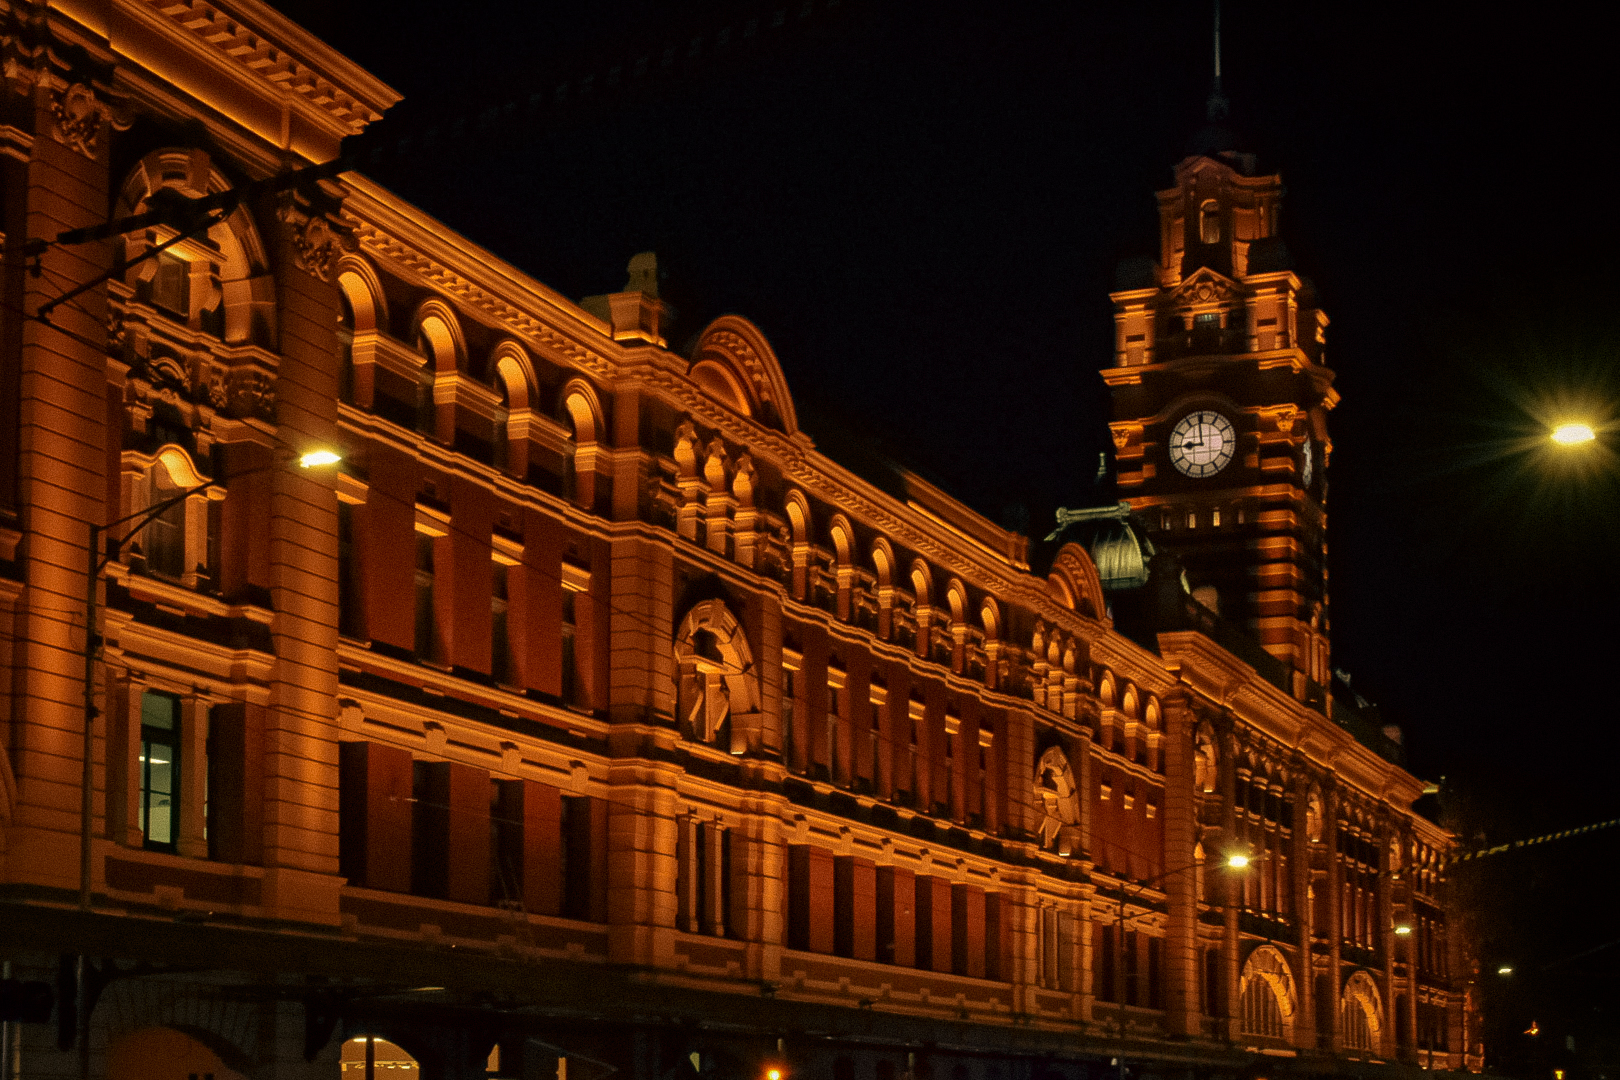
180 543
718 692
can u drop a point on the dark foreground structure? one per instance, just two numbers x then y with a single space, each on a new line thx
585 719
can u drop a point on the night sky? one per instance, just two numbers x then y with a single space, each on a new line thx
922 206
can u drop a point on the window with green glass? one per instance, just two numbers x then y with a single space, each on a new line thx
160 770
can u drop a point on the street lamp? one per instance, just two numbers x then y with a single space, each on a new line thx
1573 434
95 562
1235 861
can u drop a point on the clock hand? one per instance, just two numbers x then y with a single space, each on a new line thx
1190 445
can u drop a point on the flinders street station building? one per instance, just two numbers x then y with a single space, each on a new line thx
410 669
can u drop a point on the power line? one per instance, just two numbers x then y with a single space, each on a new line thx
1563 834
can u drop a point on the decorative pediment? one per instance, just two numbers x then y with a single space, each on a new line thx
1205 286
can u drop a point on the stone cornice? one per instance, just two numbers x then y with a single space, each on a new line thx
250 43
1223 679
401 236
404 238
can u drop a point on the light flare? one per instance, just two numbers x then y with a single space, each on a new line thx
1573 434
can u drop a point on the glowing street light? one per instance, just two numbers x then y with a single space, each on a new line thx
1237 862
1505 969
314 459
1573 434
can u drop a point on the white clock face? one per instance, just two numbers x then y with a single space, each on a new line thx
1202 443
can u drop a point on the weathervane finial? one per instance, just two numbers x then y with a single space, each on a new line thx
1216 107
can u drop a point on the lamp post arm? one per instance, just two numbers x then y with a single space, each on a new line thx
96 560
141 518
1127 895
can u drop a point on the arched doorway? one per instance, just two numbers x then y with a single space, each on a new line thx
366 1057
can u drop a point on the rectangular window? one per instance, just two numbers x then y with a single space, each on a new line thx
1047 946
351 620
1132 970
703 888
506 842
1102 944
790 695
500 644
1155 973
837 756
570 669
427 622
159 809
171 285
1215 519
163 540
985 735
214 554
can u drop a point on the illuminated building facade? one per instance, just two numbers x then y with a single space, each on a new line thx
585 718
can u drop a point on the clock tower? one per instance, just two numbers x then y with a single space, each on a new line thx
1220 395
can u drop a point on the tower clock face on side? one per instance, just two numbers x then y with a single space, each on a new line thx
1202 443
1307 464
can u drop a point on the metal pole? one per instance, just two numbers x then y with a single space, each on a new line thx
87 780
87 790
5 1031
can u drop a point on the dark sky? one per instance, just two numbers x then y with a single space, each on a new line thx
922 206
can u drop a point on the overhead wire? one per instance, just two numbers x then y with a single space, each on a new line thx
1515 845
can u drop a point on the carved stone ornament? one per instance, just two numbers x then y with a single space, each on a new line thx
317 242
251 394
79 114
318 247
215 388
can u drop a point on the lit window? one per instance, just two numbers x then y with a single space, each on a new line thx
1208 320
160 745
1209 222
1215 519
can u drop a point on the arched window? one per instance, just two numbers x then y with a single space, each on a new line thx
364 1057
1209 222
1261 1013
883 571
438 339
164 1053
798 515
1360 1010
217 282
922 587
182 542
1266 995
583 414
717 679
510 378
1206 762
1057 796
842 536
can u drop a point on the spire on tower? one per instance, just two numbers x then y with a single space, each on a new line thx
1217 106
